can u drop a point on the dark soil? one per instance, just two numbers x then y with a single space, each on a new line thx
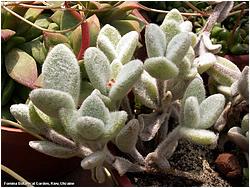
194 166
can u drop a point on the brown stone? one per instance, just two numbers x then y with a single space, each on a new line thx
228 165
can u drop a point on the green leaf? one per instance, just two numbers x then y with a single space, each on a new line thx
127 77
85 90
36 120
94 28
116 122
178 47
42 122
126 25
51 149
155 40
76 39
50 101
126 46
161 68
68 20
90 128
21 113
57 16
196 89
98 68
52 39
245 123
31 15
42 21
199 136
93 160
21 67
210 110
128 136
36 49
62 72
191 112
93 106
146 90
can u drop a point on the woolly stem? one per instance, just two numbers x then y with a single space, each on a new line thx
126 106
137 156
16 176
59 139
164 146
161 89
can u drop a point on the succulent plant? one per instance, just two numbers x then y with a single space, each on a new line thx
83 106
109 65
52 112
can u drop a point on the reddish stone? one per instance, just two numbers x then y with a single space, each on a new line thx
228 165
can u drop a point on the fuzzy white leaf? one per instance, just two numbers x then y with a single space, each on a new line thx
196 89
93 106
21 114
210 110
126 46
128 136
127 77
199 136
52 149
62 72
170 28
116 122
89 128
191 112
50 101
205 61
161 68
111 33
146 90
106 46
116 67
98 68
155 40
178 47
174 15
186 26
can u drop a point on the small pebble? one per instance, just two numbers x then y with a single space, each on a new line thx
228 165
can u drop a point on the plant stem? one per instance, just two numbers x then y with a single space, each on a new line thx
40 28
161 89
60 139
14 124
126 106
163 147
165 12
195 8
16 176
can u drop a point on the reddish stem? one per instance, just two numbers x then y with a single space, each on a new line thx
85 43
85 40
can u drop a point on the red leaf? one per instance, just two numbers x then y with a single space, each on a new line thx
6 34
